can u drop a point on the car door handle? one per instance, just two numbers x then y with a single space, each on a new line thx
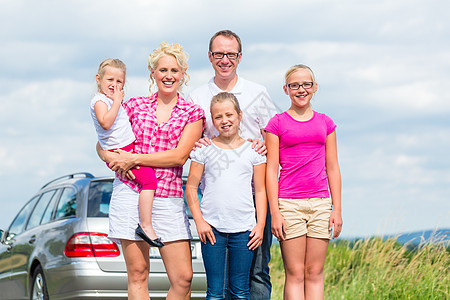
32 240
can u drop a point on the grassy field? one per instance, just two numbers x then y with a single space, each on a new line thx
377 269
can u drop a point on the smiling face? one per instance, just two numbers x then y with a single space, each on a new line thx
301 97
111 77
225 68
167 74
225 118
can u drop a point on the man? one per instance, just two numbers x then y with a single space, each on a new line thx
225 54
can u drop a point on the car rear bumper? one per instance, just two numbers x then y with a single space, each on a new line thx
83 280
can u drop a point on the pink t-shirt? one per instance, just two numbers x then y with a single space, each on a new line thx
302 155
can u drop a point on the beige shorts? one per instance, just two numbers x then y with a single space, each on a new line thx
310 216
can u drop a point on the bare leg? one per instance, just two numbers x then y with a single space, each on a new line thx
316 252
136 256
294 252
178 262
145 212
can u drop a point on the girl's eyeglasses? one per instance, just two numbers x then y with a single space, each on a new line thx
296 86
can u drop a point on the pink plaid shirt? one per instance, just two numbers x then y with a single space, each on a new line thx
153 137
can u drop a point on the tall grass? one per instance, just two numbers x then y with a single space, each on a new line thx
378 269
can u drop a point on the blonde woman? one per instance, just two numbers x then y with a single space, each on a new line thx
166 129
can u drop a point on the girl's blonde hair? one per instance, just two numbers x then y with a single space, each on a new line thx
224 96
110 62
175 50
295 68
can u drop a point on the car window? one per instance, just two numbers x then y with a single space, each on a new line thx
17 225
49 209
67 204
38 211
99 198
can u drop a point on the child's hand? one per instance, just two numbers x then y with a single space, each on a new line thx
118 94
335 219
278 226
256 237
204 231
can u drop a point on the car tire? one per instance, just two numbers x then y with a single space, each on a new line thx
38 285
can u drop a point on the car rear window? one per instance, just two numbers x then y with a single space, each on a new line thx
99 197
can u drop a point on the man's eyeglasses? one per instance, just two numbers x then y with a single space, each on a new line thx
220 55
296 86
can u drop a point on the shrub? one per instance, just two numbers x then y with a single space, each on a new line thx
378 269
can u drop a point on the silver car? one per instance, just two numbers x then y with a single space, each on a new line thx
57 247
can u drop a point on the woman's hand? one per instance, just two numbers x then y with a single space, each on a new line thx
256 237
204 231
278 226
336 219
123 162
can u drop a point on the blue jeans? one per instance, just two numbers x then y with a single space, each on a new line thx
229 255
260 286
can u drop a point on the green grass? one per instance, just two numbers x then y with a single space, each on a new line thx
378 269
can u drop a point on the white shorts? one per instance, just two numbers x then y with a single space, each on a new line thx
169 218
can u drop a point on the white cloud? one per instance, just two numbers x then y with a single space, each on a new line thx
382 68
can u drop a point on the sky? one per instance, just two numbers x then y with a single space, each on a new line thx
383 69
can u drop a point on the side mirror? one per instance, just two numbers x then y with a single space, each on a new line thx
2 235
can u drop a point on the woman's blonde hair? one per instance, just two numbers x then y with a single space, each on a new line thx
110 62
224 96
295 68
175 50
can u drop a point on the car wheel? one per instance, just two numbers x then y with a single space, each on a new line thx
38 287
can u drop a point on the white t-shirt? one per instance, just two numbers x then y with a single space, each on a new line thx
227 202
120 134
255 103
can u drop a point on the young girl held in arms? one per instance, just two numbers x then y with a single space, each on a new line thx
303 142
114 132
226 221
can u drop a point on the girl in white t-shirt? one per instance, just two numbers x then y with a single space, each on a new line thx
225 220
114 132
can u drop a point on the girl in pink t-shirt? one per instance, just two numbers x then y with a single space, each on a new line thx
303 142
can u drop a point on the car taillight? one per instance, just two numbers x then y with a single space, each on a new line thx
88 244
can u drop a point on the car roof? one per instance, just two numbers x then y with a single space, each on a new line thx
79 179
